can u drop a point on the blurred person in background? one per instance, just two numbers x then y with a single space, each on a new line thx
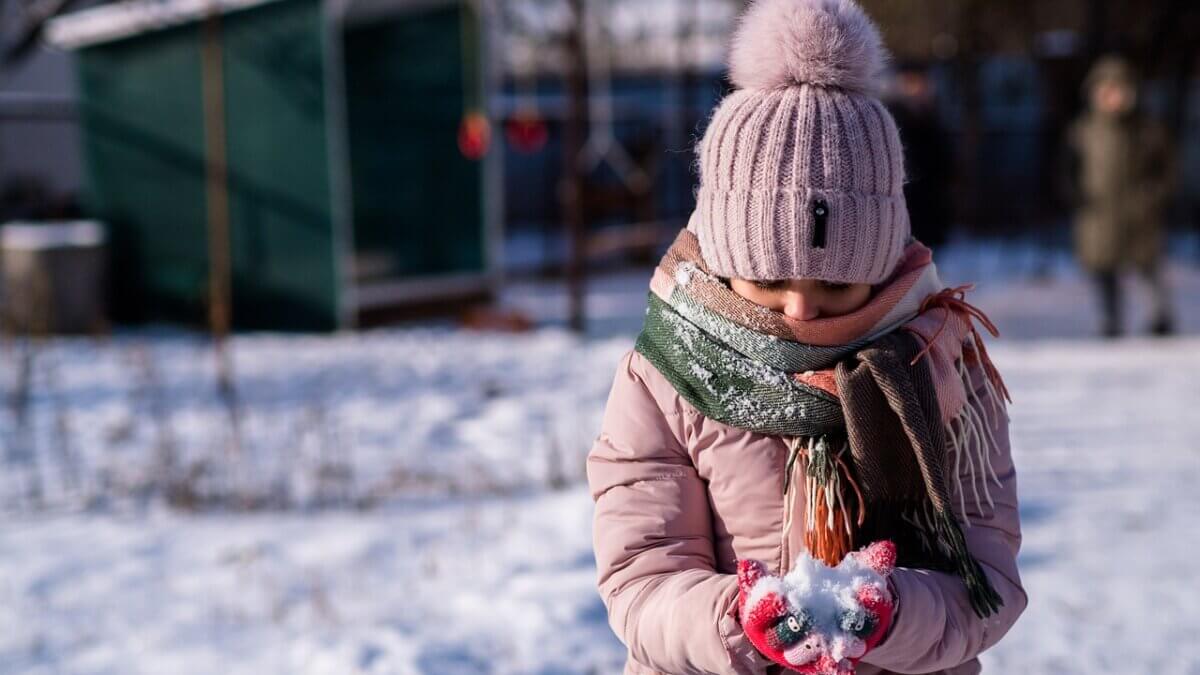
1118 178
928 160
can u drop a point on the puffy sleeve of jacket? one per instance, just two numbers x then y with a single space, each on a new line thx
935 627
652 534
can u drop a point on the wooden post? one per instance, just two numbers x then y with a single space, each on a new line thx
574 130
216 181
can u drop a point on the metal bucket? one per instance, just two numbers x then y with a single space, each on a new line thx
52 277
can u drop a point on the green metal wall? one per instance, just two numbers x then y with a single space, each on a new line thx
143 136
141 112
418 202
285 258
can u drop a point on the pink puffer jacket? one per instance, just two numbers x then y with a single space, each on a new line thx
680 498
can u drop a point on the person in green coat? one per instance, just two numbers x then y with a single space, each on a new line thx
1119 177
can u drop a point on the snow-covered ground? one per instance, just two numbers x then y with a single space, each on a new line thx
447 550
354 417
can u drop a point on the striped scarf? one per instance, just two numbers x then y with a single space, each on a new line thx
845 392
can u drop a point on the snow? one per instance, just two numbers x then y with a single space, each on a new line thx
819 599
384 409
19 235
441 545
683 273
501 585
113 22
1105 441
823 591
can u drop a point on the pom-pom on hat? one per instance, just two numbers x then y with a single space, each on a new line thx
827 44
801 168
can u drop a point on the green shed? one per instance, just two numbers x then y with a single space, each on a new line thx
346 189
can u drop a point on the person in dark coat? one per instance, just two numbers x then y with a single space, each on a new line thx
928 160
1119 178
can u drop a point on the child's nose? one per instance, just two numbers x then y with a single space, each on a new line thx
798 305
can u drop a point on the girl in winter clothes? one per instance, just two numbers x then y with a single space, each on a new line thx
804 462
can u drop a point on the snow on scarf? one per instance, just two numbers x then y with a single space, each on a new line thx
846 392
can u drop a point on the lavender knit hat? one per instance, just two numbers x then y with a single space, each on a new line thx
801 169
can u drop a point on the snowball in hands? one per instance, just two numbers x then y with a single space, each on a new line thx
817 619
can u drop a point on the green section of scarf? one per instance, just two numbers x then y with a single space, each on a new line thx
744 379
724 383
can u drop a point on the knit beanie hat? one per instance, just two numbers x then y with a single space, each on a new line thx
801 169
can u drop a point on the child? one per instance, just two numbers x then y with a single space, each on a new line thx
804 387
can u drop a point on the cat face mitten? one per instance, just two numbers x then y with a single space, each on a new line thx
817 619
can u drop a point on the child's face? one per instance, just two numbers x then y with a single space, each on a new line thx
804 298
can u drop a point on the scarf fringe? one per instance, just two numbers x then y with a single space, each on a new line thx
969 436
828 526
953 303
943 532
922 520
984 598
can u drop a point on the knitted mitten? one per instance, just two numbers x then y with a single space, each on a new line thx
817 619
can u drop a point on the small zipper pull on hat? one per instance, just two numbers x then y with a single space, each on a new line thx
820 211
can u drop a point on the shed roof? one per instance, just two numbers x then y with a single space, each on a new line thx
118 20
